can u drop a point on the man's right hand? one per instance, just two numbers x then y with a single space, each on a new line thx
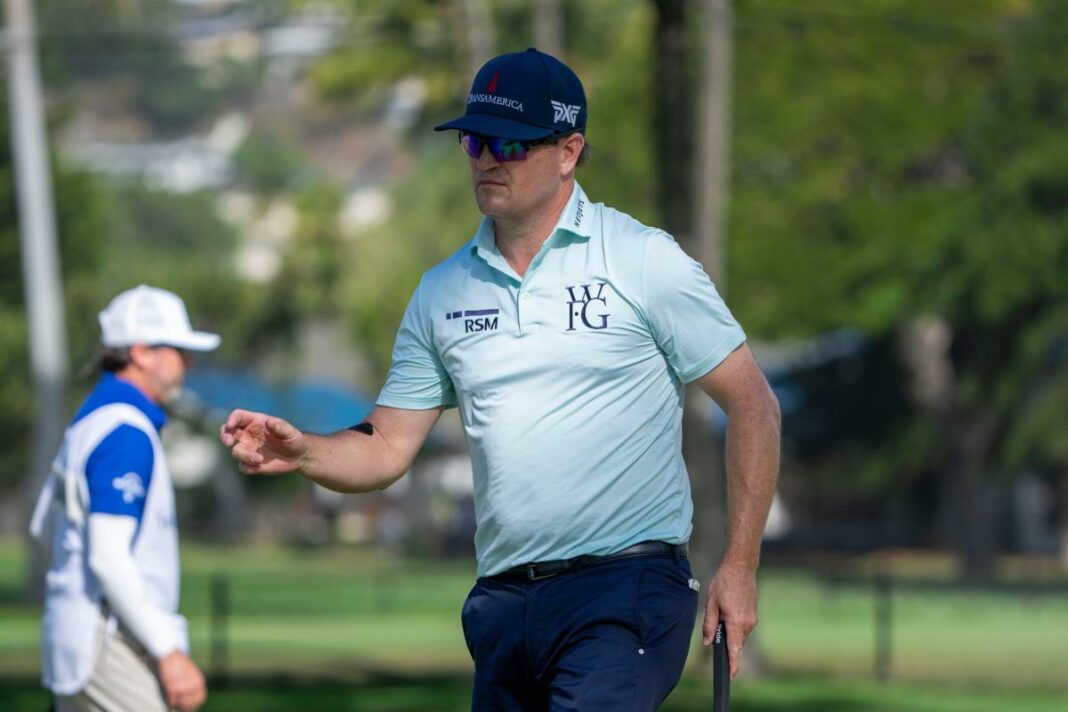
263 444
182 681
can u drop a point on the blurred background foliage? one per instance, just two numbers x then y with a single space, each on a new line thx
899 168
897 228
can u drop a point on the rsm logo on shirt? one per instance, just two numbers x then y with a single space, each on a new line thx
476 319
586 307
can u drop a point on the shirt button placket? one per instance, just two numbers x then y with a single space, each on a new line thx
522 301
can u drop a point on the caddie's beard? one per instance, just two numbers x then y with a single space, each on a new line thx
171 395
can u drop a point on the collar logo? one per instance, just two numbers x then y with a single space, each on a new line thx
581 306
564 112
130 485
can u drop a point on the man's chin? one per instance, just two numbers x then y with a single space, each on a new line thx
490 206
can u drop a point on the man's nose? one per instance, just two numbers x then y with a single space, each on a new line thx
485 159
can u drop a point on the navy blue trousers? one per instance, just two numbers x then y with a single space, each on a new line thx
611 637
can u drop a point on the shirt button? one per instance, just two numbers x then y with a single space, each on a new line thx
526 296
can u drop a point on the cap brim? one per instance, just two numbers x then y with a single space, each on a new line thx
196 341
495 126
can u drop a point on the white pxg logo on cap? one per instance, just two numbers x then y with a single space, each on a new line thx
524 96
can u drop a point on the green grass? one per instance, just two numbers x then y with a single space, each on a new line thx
964 638
444 692
350 630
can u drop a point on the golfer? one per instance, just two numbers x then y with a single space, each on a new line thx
564 332
112 639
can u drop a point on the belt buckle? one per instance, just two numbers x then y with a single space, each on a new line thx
533 575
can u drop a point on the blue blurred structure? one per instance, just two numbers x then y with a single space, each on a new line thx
318 405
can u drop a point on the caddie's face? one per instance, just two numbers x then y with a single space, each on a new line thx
514 190
165 368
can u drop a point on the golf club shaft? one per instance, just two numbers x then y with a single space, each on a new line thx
721 671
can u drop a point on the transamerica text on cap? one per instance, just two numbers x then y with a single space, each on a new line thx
492 99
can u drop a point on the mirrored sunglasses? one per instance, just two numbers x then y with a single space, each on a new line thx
502 149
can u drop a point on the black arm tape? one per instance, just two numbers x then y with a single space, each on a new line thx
364 427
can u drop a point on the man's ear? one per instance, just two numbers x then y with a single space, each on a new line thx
571 148
141 355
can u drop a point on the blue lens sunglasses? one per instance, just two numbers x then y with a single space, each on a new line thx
502 149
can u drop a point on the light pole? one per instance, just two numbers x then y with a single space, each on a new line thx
40 255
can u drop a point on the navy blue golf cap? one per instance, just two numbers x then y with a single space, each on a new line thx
523 95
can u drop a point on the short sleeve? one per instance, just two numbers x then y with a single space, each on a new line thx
689 320
417 379
119 471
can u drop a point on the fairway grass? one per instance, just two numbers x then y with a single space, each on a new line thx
1008 640
450 692
343 629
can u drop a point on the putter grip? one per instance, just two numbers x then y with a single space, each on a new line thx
721 671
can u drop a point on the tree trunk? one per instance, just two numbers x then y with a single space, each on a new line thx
712 186
673 122
549 27
967 511
693 193
973 506
41 266
1064 517
703 454
712 174
478 36
673 136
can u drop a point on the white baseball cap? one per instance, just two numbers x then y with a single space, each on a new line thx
151 316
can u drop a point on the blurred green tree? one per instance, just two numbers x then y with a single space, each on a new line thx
113 237
266 164
435 215
1007 295
607 43
847 174
83 220
921 197
127 52
311 272
387 42
896 165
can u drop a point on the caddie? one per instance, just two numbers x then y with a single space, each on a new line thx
111 637
565 332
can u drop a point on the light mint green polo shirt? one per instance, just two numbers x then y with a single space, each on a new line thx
569 381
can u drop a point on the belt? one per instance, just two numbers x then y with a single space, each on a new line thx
548 569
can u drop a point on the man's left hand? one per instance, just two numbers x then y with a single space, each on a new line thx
732 598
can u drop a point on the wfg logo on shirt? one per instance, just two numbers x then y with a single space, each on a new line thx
583 306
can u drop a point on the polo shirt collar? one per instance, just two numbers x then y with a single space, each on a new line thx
485 242
576 220
484 245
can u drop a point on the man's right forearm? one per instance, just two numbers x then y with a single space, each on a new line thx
350 461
